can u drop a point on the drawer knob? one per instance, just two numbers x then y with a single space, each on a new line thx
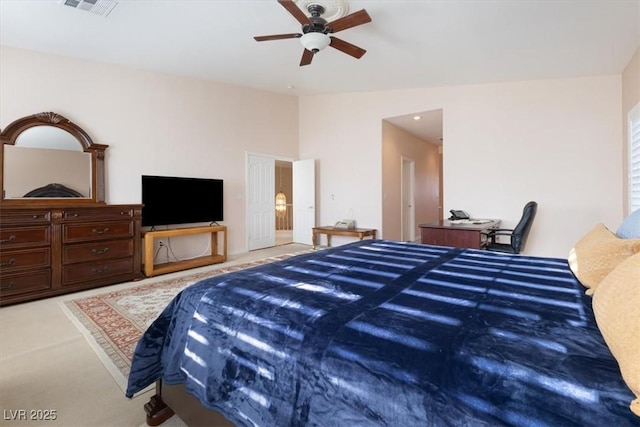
7 263
7 286
100 251
100 270
100 232
35 217
10 239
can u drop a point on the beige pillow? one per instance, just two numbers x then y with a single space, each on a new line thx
616 306
597 253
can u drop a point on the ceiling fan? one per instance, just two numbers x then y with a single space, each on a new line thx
315 30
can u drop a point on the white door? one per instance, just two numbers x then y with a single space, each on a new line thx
408 200
304 200
261 204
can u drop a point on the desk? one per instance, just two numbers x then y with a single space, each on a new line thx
361 233
460 234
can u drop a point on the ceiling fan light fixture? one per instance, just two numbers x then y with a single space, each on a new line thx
315 42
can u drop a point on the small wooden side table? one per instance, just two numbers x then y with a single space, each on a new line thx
360 233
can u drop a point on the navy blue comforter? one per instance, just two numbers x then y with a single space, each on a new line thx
392 334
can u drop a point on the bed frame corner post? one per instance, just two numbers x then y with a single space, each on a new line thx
157 411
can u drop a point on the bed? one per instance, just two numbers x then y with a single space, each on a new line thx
381 332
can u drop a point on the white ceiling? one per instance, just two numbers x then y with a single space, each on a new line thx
409 43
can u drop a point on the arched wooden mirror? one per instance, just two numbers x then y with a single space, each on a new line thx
47 159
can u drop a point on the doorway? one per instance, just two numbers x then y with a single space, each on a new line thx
272 220
284 202
412 187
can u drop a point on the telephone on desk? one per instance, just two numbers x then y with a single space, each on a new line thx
345 224
457 214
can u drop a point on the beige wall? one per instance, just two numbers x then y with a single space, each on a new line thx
554 141
630 98
155 124
398 144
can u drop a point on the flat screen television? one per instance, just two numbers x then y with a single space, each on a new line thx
169 200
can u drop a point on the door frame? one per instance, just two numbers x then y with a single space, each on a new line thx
407 199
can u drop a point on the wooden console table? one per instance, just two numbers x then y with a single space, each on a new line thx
464 234
361 233
151 269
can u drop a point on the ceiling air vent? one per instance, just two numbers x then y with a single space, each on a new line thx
99 7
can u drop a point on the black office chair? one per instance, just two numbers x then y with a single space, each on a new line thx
518 235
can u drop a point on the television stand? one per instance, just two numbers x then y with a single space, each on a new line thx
151 269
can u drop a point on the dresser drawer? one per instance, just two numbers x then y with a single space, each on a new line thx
104 213
96 231
26 217
19 283
94 271
25 258
24 237
96 251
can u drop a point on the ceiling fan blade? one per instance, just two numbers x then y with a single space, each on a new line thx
307 57
297 13
349 21
278 37
346 47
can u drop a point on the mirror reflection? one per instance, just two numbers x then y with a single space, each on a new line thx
46 161
48 137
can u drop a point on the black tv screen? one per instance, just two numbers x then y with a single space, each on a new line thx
171 200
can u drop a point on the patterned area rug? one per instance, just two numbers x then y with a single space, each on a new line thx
113 322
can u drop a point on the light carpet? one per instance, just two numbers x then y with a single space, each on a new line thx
113 321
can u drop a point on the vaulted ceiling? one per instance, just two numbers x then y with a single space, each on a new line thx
409 43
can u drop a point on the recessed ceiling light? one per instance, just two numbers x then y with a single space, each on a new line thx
417 117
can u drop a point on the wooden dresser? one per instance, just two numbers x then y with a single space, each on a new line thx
57 234
47 251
